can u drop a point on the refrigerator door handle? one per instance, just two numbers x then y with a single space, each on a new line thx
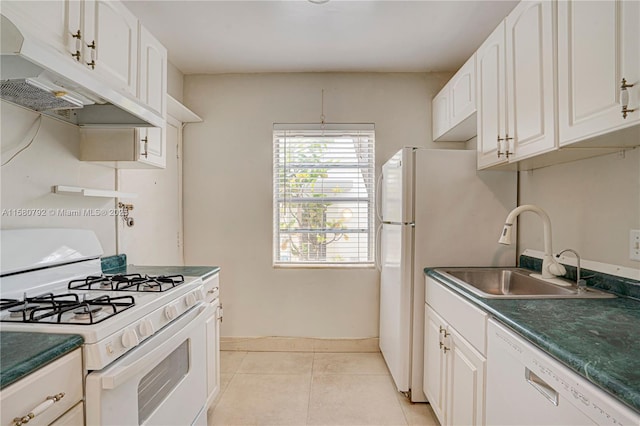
379 248
378 199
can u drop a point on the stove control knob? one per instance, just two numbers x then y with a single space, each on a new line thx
146 328
199 294
130 338
171 312
190 300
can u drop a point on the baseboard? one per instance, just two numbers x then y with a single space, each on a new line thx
298 344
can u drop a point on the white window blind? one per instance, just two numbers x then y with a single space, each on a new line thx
323 188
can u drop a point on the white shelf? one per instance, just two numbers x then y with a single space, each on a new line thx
181 112
91 192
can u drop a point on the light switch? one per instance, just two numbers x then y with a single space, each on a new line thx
634 244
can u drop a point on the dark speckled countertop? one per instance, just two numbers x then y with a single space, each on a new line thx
23 353
597 338
187 271
118 265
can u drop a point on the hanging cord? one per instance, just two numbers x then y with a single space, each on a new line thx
39 121
322 111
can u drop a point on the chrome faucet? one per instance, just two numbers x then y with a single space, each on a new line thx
550 267
580 283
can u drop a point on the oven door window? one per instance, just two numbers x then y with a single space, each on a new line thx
156 385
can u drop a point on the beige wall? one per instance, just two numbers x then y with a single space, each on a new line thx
175 82
592 203
52 159
228 192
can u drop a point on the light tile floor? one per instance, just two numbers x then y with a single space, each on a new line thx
296 388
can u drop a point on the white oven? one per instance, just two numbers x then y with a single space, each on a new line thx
161 382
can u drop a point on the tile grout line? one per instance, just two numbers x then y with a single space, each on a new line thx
313 363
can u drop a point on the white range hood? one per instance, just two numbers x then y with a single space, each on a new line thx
37 77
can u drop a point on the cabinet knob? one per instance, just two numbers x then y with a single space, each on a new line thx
624 98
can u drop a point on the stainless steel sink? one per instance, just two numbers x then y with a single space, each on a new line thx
515 283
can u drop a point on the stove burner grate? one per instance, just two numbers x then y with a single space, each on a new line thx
127 282
50 308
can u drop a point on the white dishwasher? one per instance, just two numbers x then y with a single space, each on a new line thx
527 387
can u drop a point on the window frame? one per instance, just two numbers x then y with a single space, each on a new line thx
370 199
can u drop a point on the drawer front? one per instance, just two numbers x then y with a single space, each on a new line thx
73 417
468 320
212 288
22 397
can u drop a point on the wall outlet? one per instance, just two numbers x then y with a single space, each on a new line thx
634 244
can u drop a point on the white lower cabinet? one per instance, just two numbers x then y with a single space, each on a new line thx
73 417
466 369
52 395
212 289
454 369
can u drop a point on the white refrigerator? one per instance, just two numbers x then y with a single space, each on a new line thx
436 210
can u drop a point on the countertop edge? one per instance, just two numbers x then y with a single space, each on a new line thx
25 368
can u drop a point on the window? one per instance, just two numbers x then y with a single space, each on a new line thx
323 188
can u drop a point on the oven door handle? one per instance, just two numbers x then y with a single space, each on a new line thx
122 374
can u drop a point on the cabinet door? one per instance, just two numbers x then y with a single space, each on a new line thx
463 92
152 85
111 42
213 357
151 146
530 92
47 20
440 114
434 363
598 46
491 103
465 382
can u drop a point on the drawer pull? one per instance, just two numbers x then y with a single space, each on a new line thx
541 386
39 409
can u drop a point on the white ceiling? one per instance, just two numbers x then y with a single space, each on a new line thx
298 36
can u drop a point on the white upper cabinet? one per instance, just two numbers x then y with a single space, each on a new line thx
598 46
139 148
516 116
455 106
44 18
110 42
152 82
491 99
100 35
440 114
463 93
152 142
530 91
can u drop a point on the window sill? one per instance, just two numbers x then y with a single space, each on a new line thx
325 266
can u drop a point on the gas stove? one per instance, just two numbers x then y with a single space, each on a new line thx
151 342
67 293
